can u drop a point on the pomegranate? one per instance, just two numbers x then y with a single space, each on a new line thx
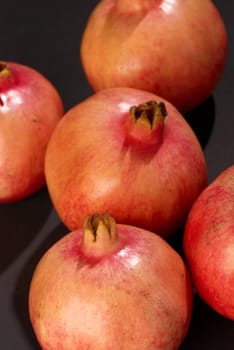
209 243
127 152
30 107
110 287
173 48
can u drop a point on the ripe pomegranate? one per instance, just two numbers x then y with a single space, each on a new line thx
127 152
30 107
173 48
209 243
110 287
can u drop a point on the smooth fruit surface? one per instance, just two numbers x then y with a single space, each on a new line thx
110 288
209 243
176 49
30 107
143 167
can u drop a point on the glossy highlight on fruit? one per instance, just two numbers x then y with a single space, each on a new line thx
30 107
176 49
129 153
110 286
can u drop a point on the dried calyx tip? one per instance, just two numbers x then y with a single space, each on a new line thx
99 236
92 223
149 111
2 66
6 75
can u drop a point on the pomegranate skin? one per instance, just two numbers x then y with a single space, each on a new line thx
140 293
141 177
209 243
30 107
170 48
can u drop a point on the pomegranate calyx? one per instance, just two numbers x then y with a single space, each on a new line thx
149 114
99 235
6 75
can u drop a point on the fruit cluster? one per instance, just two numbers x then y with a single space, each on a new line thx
125 173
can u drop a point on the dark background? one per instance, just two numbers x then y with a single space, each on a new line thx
47 38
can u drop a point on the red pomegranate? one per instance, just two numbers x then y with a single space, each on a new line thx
110 287
30 107
209 243
127 152
173 48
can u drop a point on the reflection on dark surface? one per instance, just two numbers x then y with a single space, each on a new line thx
20 222
208 329
202 120
23 283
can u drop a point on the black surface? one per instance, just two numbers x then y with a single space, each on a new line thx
47 37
